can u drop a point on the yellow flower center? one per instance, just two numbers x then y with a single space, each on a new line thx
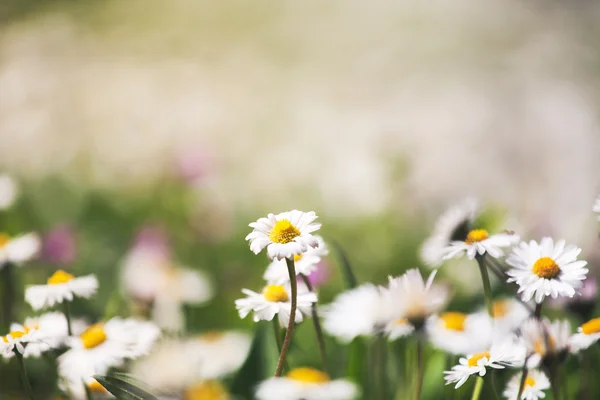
59 277
275 293
209 390
529 381
96 387
476 235
298 257
546 267
500 308
93 336
401 321
211 336
308 375
540 345
14 335
454 320
474 359
283 232
4 239
592 326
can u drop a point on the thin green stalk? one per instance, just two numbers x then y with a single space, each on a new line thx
277 332
477 388
67 312
419 382
24 376
487 289
494 386
523 377
346 268
317 325
564 383
381 367
538 311
291 324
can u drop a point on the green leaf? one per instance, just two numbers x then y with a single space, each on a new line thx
345 266
124 387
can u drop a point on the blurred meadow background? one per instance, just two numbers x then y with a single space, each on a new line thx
170 126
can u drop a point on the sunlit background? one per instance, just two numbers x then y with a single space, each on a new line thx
172 125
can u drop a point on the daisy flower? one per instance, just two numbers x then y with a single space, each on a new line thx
454 225
284 235
535 384
8 191
509 314
306 384
501 354
105 345
305 264
460 333
399 328
546 269
206 390
61 286
218 354
587 334
546 341
52 332
479 242
76 389
17 340
19 249
276 300
362 311
416 299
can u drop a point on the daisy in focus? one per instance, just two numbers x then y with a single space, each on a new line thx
546 269
284 235
19 249
501 354
305 263
587 334
460 333
535 384
363 311
415 299
60 287
17 340
453 225
480 242
546 341
276 300
306 384
102 346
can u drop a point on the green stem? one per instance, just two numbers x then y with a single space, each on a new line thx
419 383
494 386
502 277
290 330
24 376
487 289
346 268
523 378
477 388
68 316
381 365
277 332
317 325
538 311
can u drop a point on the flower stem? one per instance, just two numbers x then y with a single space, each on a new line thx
345 266
538 310
523 378
317 325
24 376
477 388
290 330
67 312
419 383
487 289
494 386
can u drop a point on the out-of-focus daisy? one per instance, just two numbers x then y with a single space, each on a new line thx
17 340
179 286
306 384
480 242
61 286
18 249
218 354
206 390
77 390
587 334
284 235
399 328
535 384
105 345
276 300
52 331
509 314
363 311
596 207
415 299
460 333
453 225
305 263
546 341
546 269
501 354
8 191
